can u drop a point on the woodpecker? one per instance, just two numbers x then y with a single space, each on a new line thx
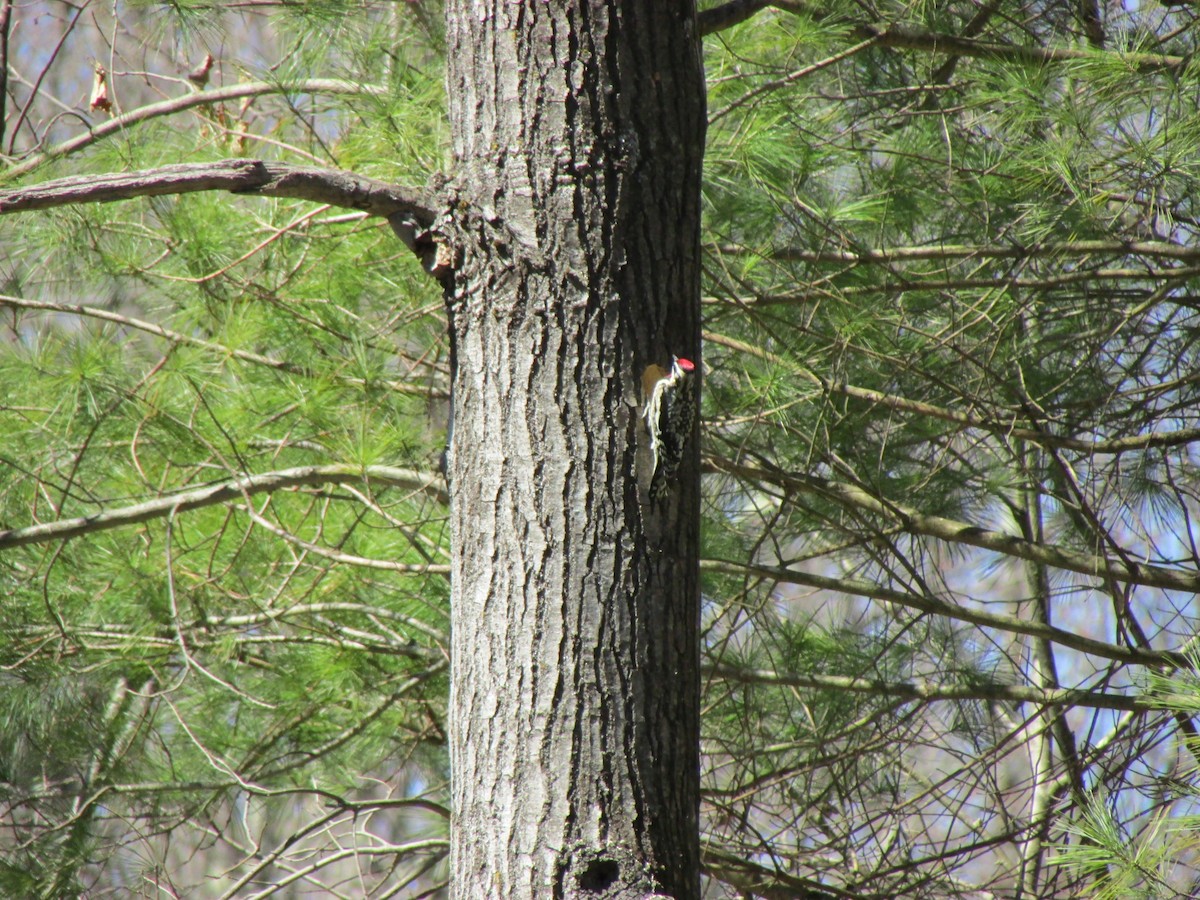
670 414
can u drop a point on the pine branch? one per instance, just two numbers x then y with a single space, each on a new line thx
911 37
925 691
871 255
939 281
1007 428
113 639
222 492
930 605
955 532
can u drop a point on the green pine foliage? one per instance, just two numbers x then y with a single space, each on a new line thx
159 673
935 285
925 284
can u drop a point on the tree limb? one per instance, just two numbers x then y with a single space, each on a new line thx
221 492
401 206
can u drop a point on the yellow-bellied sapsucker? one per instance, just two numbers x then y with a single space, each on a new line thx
670 416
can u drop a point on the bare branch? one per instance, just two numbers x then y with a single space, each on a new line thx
221 492
181 104
246 176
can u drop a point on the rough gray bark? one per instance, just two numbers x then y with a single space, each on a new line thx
578 134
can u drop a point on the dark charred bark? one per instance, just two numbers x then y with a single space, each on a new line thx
578 136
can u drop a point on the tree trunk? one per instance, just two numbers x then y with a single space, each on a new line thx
578 131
